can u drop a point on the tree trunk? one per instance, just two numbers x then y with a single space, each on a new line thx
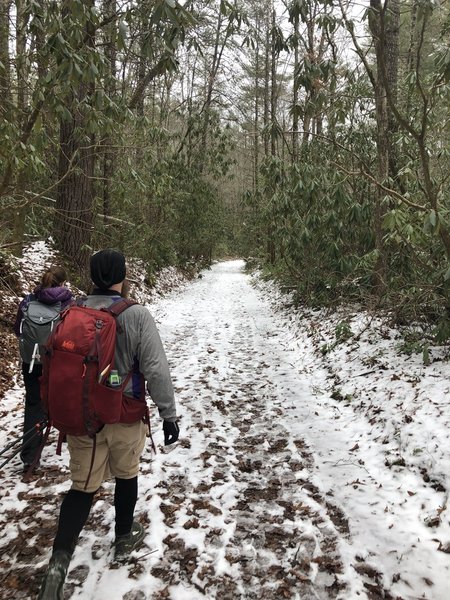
273 141
211 79
295 98
309 100
375 25
266 81
391 48
142 72
412 49
5 79
108 155
273 90
5 97
74 200
190 152
256 114
18 230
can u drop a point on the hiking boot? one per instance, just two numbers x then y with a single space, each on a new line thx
29 469
125 544
52 587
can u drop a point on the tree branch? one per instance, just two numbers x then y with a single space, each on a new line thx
389 191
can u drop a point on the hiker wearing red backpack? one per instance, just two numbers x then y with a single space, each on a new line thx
78 402
37 314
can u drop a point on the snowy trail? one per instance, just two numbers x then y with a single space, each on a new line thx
263 528
249 504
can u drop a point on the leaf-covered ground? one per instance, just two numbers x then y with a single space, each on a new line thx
285 482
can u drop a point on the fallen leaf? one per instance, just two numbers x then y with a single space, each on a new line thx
444 547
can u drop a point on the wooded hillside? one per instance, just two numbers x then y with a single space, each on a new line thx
310 134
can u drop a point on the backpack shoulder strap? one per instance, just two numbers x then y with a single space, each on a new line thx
80 301
116 308
26 302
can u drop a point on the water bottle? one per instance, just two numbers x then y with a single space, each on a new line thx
114 379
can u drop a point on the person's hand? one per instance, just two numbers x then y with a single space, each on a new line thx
171 432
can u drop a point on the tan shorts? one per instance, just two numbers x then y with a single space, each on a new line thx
117 452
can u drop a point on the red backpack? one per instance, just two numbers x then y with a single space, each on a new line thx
76 387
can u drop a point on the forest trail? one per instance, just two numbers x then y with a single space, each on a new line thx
236 509
266 530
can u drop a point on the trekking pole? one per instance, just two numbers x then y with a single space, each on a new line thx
18 440
9 446
5 462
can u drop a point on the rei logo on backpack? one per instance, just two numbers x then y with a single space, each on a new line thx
76 386
37 324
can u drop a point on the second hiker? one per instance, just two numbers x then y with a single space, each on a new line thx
36 317
118 446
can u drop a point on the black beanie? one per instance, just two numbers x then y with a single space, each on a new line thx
107 268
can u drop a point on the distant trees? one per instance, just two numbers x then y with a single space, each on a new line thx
359 197
86 129
312 134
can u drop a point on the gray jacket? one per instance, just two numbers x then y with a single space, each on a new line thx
139 341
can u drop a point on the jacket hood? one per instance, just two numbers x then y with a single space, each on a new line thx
52 295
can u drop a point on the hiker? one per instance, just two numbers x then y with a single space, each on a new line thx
118 446
35 319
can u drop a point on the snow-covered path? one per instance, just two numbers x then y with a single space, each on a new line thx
264 496
256 526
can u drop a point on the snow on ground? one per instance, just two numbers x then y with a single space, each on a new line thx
39 256
377 422
306 468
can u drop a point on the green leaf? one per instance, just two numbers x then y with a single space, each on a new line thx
447 274
122 35
432 217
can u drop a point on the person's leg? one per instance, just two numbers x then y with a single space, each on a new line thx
87 470
125 497
33 414
72 518
88 461
126 442
129 533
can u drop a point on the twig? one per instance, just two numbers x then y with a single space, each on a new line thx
365 373
344 463
146 554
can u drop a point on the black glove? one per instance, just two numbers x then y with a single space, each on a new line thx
171 432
